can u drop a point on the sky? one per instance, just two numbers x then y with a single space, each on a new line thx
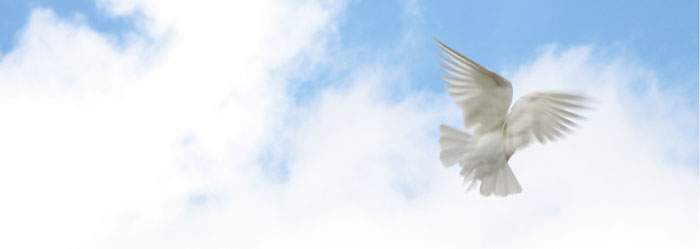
314 124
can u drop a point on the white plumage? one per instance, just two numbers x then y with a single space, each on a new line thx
484 98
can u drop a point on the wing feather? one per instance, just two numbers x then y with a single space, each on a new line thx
544 116
483 95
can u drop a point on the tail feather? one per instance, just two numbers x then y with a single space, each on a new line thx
501 187
501 183
494 177
454 144
488 183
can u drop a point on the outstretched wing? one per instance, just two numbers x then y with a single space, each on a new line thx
544 116
483 95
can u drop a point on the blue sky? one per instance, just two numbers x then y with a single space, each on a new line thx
503 34
14 15
499 34
309 121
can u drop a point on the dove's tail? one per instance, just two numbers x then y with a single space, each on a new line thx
455 145
500 182
495 177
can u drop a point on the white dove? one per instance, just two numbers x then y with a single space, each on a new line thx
484 98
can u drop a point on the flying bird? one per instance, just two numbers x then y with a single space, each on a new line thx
495 134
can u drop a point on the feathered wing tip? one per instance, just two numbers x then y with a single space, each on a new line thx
544 116
454 145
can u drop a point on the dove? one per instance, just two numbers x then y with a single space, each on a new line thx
493 134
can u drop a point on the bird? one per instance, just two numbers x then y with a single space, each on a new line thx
493 134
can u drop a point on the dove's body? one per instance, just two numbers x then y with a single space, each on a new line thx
484 97
483 157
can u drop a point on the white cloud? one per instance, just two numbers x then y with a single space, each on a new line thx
105 147
91 132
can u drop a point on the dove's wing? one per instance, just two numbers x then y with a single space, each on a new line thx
545 116
483 95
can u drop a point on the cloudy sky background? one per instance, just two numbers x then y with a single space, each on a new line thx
314 124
